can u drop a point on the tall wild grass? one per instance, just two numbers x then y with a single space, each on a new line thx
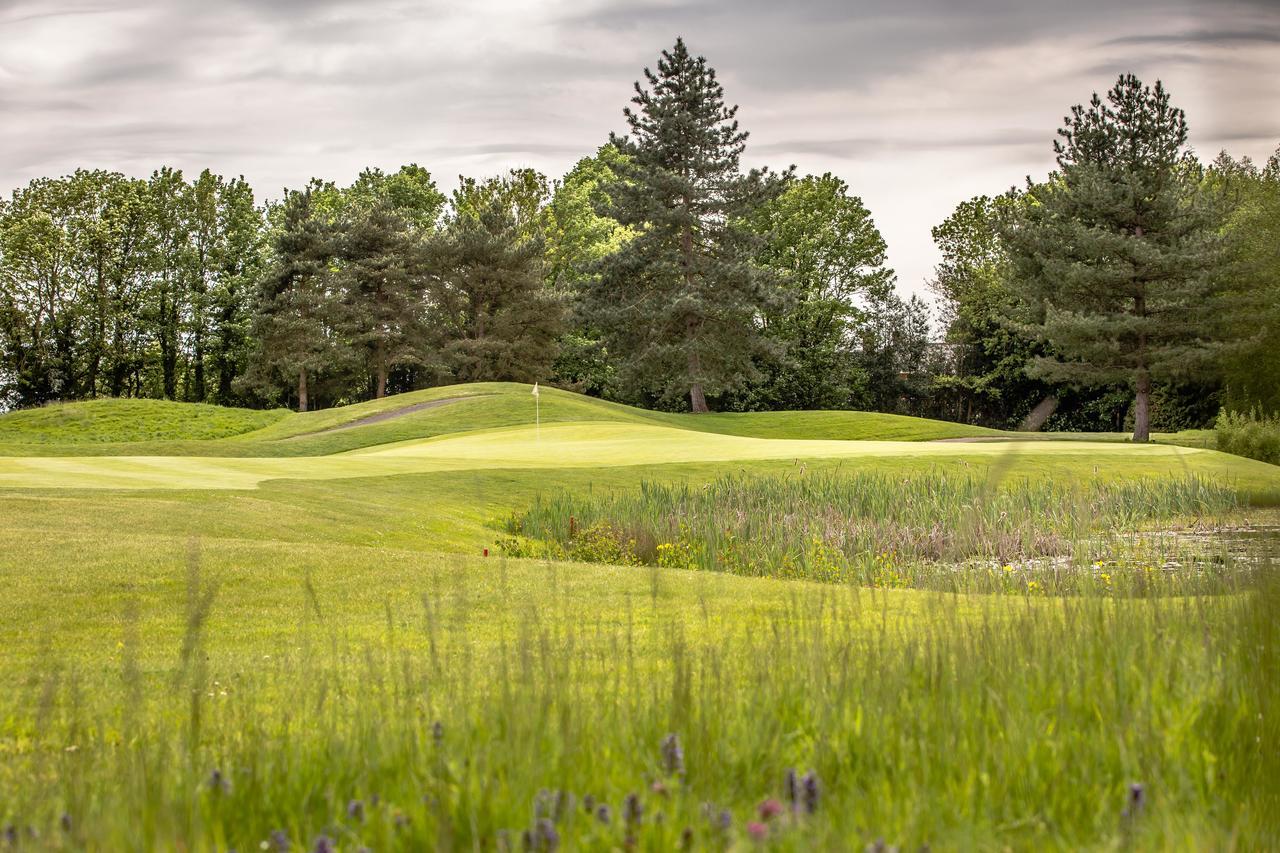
879 529
839 719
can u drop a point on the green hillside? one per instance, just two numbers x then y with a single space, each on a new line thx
149 427
106 421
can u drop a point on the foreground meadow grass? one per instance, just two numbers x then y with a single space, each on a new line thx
331 663
345 708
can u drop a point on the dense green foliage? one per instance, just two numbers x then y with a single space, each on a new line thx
1114 251
1253 434
830 261
680 297
1251 277
118 286
502 321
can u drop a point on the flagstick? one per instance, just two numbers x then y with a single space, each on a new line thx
537 414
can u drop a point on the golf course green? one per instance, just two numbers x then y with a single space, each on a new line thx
225 628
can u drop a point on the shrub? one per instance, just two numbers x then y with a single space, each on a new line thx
1255 435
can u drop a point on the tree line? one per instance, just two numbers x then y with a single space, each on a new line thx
1127 288
1133 289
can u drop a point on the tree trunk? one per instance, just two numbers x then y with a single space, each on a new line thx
1142 408
168 347
199 367
302 389
1142 400
380 356
120 365
697 400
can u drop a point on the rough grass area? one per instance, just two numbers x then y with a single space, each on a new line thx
933 530
231 697
102 422
1255 435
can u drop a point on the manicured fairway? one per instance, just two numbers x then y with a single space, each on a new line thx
604 445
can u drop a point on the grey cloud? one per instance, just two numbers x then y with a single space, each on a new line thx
873 145
514 147
1202 37
281 90
106 72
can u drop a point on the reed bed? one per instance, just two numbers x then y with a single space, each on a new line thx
937 530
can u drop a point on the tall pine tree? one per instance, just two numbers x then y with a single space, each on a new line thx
297 314
679 303
1114 251
383 290
500 320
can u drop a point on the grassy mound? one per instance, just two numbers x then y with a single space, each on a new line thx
116 421
144 428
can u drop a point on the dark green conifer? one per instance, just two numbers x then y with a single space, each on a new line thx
679 303
1115 250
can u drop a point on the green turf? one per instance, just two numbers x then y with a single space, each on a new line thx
340 604
605 445
478 406
100 422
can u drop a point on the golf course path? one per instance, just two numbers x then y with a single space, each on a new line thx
391 415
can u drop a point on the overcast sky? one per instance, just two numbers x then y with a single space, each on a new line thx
918 104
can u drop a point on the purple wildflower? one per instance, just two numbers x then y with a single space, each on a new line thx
547 838
632 809
324 845
603 814
355 810
672 755
1136 800
810 791
563 804
279 841
540 801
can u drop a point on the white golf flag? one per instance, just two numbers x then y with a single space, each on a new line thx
535 390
